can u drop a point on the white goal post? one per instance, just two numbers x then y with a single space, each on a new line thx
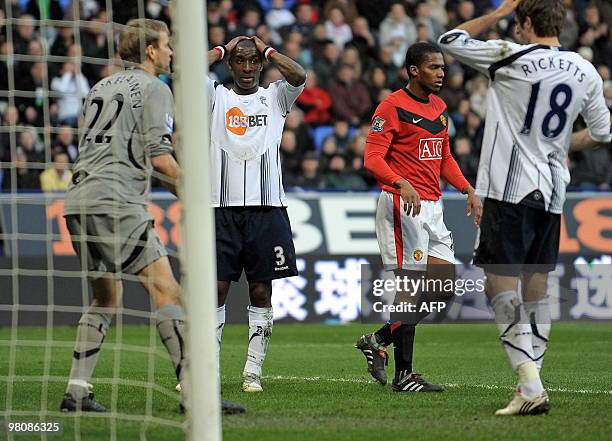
197 253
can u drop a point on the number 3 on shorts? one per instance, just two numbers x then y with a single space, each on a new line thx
280 255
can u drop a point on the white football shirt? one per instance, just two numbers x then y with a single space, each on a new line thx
246 132
536 93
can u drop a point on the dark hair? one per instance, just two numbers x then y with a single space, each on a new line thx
249 42
547 16
140 34
415 55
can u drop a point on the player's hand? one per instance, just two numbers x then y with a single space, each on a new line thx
233 42
474 205
507 7
259 43
412 200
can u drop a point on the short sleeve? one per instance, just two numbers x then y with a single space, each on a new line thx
286 94
158 119
212 86
384 125
596 113
479 55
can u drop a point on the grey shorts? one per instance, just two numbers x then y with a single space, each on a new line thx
126 243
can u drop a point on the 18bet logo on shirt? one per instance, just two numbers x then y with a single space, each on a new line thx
430 149
238 123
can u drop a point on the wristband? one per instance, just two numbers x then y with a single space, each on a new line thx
222 51
268 52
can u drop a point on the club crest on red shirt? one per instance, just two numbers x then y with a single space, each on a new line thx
443 120
378 124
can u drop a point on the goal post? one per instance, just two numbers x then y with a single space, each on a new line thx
197 253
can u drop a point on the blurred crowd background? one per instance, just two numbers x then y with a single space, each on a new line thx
353 51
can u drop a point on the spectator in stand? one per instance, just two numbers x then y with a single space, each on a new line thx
216 37
594 34
29 143
25 178
293 50
454 89
304 23
251 18
341 134
34 82
23 33
423 33
385 62
73 87
315 102
423 17
460 12
348 8
65 142
295 122
570 29
459 116
337 29
63 40
290 156
350 56
474 130
6 49
94 43
328 150
325 66
466 158
57 177
349 95
364 41
10 119
310 176
338 177
376 81
279 15
398 31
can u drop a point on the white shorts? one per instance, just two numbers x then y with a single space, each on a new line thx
406 242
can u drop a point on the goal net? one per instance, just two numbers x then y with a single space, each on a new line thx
51 55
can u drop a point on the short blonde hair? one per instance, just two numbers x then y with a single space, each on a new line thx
131 44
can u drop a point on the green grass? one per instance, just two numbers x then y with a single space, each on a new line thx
342 404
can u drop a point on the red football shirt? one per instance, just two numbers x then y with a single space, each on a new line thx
409 139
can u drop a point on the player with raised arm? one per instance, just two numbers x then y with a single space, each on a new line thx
407 151
253 232
128 119
537 90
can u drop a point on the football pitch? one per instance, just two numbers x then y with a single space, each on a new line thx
316 386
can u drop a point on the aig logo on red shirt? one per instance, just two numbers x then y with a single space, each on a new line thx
430 149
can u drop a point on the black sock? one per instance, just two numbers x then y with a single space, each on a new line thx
403 342
384 335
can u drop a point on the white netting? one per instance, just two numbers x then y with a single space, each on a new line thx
48 62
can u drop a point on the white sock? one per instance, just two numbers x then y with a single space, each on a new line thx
220 326
539 318
260 332
514 331
529 380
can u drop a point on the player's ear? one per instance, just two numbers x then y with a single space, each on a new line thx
413 70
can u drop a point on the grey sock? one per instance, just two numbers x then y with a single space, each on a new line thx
170 325
92 330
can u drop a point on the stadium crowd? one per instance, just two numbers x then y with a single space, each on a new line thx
353 51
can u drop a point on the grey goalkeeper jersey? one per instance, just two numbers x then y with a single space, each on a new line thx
128 119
